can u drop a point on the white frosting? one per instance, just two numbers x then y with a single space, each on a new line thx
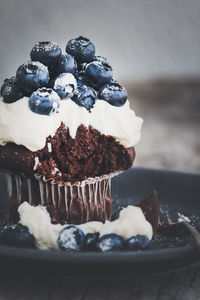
18 124
131 222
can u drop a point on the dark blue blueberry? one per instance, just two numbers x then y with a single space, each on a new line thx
44 101
81 48
47 53
116 214
91 241
65 85
85 96
65 64
71 238
17 235
101 59
32 75
137 242
10 91
113 93
8 81
110 242
98 73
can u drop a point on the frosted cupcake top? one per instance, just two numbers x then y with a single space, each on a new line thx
75 88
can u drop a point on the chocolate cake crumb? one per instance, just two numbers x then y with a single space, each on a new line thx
90 154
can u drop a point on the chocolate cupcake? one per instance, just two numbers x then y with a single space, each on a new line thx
66 128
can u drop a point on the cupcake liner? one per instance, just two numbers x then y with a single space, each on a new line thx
77 203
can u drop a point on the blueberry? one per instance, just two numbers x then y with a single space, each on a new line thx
8 81
101 59
113 93
81 48
44 101
98 73
110 242
65 64
10 90
32 75
137 242
46 52
65 85
116 214
17 235
71 238
91 241
85 96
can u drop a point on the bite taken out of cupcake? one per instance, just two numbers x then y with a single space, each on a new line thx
66 128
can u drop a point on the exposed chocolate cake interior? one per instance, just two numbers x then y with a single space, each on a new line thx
64 159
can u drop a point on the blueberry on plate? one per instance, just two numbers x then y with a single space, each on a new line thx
65 64
110 242
46 52
98 73
71 238
44 101
10 91
137 242
81 48
116 214
91 241
17 235
32 75
113 93
65 85
85 96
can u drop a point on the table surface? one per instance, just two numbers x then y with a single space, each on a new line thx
170 140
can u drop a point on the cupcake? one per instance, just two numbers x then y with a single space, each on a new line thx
66 128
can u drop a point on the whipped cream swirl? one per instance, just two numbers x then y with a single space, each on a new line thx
19 125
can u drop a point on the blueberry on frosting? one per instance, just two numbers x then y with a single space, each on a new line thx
65 85
44 101
98 73
81 48
85 96
46 52
32 75
65 64
113 93
102 59
10 90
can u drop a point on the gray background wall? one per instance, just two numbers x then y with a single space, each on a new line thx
142 38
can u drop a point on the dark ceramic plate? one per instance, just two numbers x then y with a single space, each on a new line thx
177 192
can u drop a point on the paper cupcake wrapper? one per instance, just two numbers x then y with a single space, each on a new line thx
89 200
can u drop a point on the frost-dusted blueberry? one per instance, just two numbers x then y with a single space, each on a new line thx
81 48
46 52
113 93
110 242
8 81
101 59
71 238
65 85
98 73
91 241
65 64
32 75
17 235
137 242
85 96
10 91
116 214
44 101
